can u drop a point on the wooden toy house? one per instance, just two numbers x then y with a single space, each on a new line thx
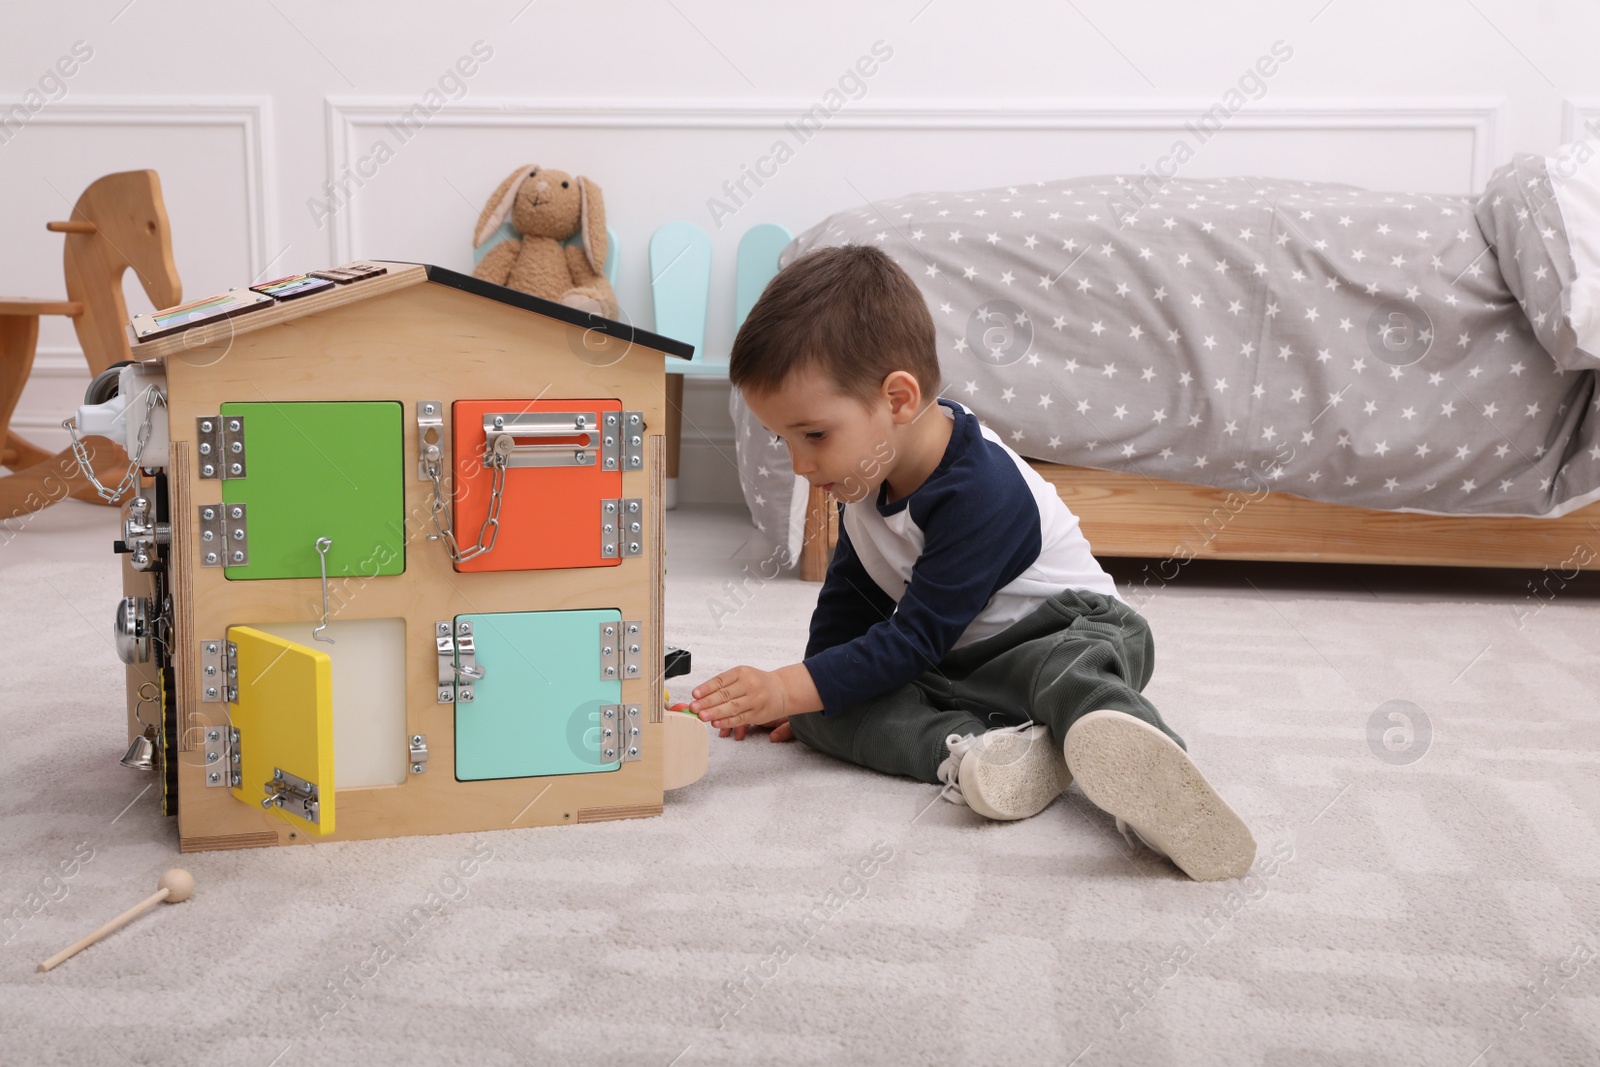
396 563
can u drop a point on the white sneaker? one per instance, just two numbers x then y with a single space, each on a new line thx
1011 772
1140 775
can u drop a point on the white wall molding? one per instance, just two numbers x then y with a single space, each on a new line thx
60 361
1435 112
251 115
349 116
1575 111
60 369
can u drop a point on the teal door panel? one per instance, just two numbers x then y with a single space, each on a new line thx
315 470
536 710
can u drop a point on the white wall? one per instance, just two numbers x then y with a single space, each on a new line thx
248 110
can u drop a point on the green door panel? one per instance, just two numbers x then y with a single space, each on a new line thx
536 710
315 470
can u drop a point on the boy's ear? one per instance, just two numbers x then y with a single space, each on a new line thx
903 393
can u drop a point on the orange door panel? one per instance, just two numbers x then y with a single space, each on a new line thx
558 472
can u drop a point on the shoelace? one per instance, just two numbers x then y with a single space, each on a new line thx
950 770
951 767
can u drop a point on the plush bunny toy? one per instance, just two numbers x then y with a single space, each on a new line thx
547 207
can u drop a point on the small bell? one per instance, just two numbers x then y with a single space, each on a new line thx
141 751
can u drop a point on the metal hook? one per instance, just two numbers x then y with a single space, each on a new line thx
323 544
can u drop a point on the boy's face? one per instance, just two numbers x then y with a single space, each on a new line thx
834 442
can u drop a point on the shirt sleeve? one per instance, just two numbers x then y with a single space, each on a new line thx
850 601
975 542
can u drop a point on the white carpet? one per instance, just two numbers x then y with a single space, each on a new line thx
1440 911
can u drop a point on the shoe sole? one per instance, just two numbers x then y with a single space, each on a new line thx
1013 777
1137 773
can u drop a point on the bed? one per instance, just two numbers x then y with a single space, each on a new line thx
1247 368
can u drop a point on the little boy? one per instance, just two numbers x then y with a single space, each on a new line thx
964 634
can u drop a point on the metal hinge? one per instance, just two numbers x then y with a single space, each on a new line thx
224 535
219 440
419 753
620 731
222 756
219 672
621 653
467 669
298 795
622 441
610 440
445 647
622 527
633 427
458 665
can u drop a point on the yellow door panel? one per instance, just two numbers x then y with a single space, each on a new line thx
284 715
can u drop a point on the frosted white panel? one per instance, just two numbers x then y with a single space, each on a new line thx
370 744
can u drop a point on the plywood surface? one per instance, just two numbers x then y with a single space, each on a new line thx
213 338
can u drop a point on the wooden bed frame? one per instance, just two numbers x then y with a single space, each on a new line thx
1133 515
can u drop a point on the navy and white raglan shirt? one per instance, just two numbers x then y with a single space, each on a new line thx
976 547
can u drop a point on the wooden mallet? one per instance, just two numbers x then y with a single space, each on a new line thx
177 884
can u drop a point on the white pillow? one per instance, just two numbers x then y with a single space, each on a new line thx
1574 173
1527 210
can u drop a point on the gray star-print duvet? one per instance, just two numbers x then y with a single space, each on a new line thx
1378 349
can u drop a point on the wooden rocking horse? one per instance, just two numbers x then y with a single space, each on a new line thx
119 222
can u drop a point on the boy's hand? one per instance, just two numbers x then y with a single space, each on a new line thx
743 696
781 731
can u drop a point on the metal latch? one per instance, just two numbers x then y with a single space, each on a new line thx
224 535
458 666
299 796
219 671
220 442
222 756
419 753
622 527
621 651
502 430
141 533
620 731
430 438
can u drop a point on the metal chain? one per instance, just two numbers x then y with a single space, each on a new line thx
130 478
488 532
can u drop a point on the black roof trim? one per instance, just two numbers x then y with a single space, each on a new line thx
587 320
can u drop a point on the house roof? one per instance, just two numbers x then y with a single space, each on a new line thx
401 275
516 298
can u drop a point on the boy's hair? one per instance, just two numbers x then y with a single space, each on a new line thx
849 311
